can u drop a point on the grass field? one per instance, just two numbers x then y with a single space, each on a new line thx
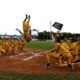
45 45
18 76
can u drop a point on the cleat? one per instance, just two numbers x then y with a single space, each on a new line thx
49 67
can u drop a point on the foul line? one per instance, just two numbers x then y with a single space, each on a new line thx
26 59
32 57
20 55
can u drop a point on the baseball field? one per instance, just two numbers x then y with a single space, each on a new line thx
29 65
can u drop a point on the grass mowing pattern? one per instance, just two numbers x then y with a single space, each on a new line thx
18 76
44 45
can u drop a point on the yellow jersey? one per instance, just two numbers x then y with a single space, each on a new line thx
74 48
64 49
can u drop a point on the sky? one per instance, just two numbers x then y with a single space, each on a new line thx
42 12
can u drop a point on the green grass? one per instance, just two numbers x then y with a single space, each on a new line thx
18 76
45 45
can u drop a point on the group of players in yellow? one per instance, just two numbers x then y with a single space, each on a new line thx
10 46
67 51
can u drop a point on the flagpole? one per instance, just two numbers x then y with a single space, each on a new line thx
50 26
51 30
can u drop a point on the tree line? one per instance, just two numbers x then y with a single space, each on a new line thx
45 35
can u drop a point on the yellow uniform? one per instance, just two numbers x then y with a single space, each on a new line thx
78 48
26 29
25 25
11 46
2 50
64 50
17 45
54 54
60 50
4 45
74 51
20 45
65 45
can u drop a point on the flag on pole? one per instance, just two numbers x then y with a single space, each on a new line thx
58 25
